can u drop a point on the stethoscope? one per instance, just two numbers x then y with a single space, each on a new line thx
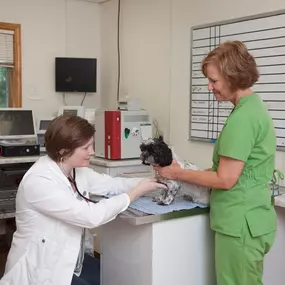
73 182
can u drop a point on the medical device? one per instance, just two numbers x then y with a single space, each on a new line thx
81 111
17 133
41 130
120 133
129 105
72 111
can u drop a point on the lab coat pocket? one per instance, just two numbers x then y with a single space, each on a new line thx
42 257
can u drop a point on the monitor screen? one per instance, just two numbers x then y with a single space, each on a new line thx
41 140
75 74
16 123
70 112
44 124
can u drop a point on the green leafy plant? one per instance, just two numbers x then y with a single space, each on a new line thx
4 86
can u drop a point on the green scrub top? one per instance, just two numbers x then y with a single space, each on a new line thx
248 135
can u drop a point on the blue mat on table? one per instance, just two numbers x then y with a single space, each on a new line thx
146 205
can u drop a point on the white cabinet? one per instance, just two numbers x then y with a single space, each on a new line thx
274 273
175 251
116 167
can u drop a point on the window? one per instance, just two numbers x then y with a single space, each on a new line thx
4 87
10 65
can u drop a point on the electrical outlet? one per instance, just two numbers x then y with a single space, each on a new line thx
35 98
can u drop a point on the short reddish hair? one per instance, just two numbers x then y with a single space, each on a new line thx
235 63
67 133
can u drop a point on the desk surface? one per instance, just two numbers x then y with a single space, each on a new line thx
18 159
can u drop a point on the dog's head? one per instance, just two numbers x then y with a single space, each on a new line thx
155 152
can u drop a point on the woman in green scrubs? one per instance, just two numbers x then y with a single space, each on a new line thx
241 211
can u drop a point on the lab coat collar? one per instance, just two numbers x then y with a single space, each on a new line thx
54 167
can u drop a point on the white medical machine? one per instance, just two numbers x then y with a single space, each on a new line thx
129 105
81 111
41 130
72 110
120 133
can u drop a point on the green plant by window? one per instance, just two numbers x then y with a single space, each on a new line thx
4 87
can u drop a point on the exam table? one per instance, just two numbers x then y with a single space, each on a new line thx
172 248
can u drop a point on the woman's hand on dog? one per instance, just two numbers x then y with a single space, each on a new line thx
144 187
169 172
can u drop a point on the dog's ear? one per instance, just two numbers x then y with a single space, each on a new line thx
162 153
167 157
161 138
146 147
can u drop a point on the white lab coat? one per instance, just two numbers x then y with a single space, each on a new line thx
50 219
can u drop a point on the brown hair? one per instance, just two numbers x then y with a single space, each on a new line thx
235 63
66 133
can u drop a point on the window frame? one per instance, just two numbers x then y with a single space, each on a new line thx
15 74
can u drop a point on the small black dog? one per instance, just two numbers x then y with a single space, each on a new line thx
156 152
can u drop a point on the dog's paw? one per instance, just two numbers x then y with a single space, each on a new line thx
156 199
166 201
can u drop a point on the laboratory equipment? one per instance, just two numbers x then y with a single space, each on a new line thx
120 133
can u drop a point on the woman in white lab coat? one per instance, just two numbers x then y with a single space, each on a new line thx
48 245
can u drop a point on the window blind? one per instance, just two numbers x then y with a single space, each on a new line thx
6 48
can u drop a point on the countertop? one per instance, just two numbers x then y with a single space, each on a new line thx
136 218
115 163
18 159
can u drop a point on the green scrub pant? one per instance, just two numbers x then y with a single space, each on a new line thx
239 260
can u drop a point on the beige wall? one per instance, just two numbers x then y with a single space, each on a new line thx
145 55
186 14
52 28
155 54
155 45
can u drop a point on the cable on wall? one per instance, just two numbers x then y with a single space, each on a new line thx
118 50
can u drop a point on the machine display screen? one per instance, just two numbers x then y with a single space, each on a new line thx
16 123
41 140
70 112
44 124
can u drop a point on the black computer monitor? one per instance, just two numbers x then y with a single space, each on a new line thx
75 74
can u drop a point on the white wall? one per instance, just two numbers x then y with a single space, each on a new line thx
145 55
156 59
52 28
184 15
